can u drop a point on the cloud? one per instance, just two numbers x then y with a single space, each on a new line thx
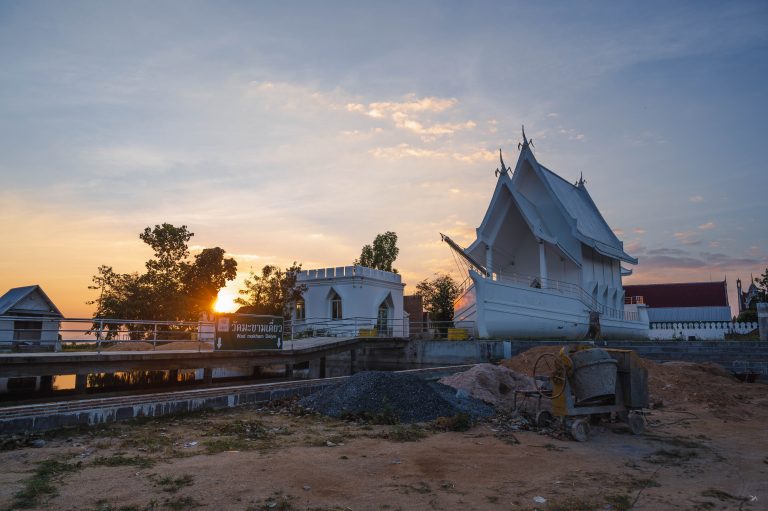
696 198
618 232
686 238
707 226
406 115
412 104
402 151
639 230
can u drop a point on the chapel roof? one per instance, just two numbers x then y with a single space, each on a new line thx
683 294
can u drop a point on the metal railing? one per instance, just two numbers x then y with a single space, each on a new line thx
565 288
108 334
104 334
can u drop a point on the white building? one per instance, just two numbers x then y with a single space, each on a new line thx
29 320
543 260
350 300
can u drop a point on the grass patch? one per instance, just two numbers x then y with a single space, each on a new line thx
218 445
459 422
152 441
104 505
278 502
619 502
179 503
722 496
404 433
677 441
120 460
250 429
639 483
573 504
42 482
671 456
172 484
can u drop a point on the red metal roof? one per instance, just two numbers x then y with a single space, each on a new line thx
687 294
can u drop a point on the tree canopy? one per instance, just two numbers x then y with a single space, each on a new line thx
382 254
438 295
273 292
174 287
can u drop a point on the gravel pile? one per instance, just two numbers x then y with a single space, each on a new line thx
404 397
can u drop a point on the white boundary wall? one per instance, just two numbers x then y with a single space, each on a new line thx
702 330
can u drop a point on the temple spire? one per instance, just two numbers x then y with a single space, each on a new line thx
504 169
525 143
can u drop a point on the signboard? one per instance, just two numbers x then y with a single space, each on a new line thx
248 332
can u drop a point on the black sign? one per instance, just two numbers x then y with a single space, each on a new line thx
249 332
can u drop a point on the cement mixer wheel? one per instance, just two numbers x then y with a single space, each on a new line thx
580 429
549 368
636 423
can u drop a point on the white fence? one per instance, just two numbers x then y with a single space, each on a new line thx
701 330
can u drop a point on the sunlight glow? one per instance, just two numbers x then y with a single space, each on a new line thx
225 301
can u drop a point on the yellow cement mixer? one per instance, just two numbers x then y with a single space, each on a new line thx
587 384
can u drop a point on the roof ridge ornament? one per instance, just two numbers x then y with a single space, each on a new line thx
525 143
581 182
504 168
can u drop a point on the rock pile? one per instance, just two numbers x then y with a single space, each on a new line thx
401 397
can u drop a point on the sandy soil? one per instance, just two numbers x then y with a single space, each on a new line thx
706 447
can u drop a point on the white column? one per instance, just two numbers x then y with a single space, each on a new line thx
489 260
542 265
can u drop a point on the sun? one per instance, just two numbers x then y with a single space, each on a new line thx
225 301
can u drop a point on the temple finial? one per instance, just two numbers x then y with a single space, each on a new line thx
525 143
504 169
581 180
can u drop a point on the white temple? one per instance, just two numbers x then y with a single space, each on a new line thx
543 260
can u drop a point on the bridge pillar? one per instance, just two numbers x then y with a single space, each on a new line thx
317 368
81 382
289 370
352 360
46 383
208 375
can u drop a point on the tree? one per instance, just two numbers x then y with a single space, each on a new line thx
209 273
382 254
762 286
273 292
173 287
438 296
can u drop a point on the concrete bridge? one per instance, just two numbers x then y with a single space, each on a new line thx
81 363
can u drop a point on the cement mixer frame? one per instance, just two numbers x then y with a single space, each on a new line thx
629 396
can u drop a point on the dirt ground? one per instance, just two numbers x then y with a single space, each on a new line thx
706 447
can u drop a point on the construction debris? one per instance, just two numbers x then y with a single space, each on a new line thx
393 397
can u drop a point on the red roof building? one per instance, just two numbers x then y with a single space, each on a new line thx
687 301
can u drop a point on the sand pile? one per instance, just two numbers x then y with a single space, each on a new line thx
711 385
402 397
523 362
492 384
678 383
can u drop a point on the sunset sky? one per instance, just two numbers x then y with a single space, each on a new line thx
290 131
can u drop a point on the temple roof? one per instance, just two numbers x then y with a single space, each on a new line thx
577 207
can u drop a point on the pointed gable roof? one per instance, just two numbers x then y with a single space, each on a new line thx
573 201
15 296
